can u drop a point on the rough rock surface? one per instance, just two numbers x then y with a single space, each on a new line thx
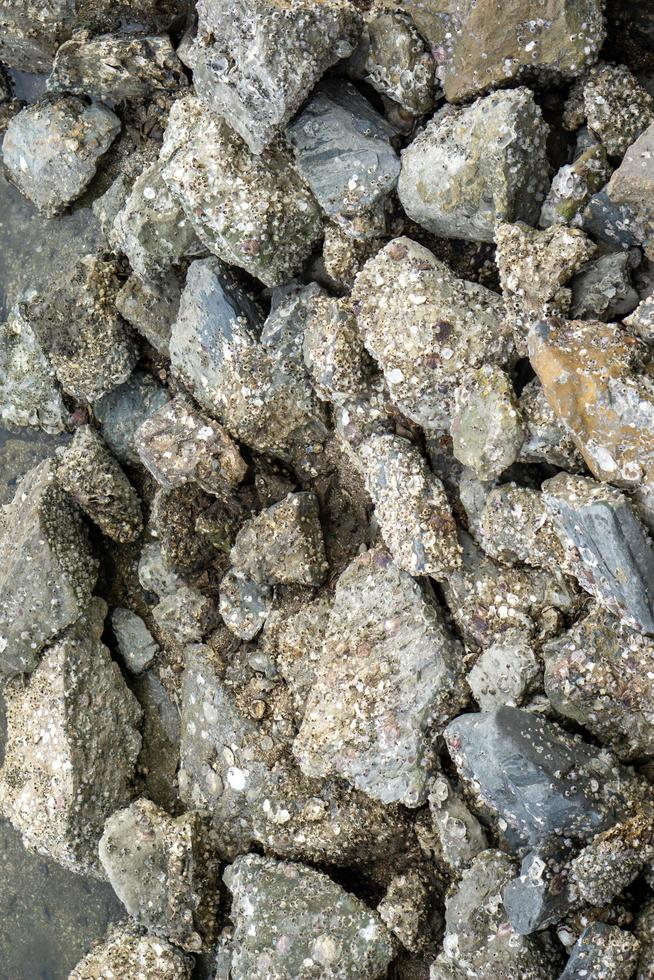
485 162
135 642
604 951
366 718
29 393
290 919
72 743
123 409
129 954
612 103
47 572
395 60
47 166
486 428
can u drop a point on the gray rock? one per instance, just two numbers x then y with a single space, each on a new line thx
270 226
611 222
77 325
460 835
516 528
411 507
151 308
301 915
127 953
123 410
389 672
255 63
154 573
164 872
292 308
29 393
603 951
244 604
546 439
486 427
474 166
405 908
396 61
152 229
97 483
186 614
425 327
178 444
506 673
604 289
113 67
47 573
343 150
158 760
541 783
42 160
333 350
264 401
72 743
573 185
615 553
173 518
613 104
135 642
283 544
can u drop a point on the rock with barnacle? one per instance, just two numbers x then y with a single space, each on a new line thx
127 953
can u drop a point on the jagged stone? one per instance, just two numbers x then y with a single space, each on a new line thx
333 350
603 290
410 506
46 165
343 150
298 648
546 440
301 915
77 325
151 307
478 47
615 556
72 743
29 393
164 872
128 954
186 614
368 718
344 256
253 212
491 164
135 642
591 375
405 907
460 835
424 327
122 410
516 527
396 61
96 481
256 63
613 104
603 951
114 67
573 186
179 444
244 604
158 760
487 430
265 401
506 673
47 573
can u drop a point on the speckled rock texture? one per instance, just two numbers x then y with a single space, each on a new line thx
129 953
29 393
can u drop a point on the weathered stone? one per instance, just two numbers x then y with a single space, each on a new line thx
534 266
163 870
135 642
301 915
615 553
613 104
547 440
29 393
405 907
459 833
603 951
253 212
72 744
479 47
629 190
333 350
77 325
490 163
344 256
244 604
264 401
158 759
129 955
151 307
424 327
179 444
573 186
487 430
603 289
122 410
292 307
590 372
173 517
113 67
516 527
47 573
152 229
368 718
343 150
613 859
256 63
299 646
186 614
283 544
397 62
479 942
44 162
598 674
410 506
96 481
506 673
641 321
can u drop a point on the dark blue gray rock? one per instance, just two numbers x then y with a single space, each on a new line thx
121 412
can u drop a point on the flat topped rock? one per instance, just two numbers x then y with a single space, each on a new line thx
289 918
51 149
47 572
